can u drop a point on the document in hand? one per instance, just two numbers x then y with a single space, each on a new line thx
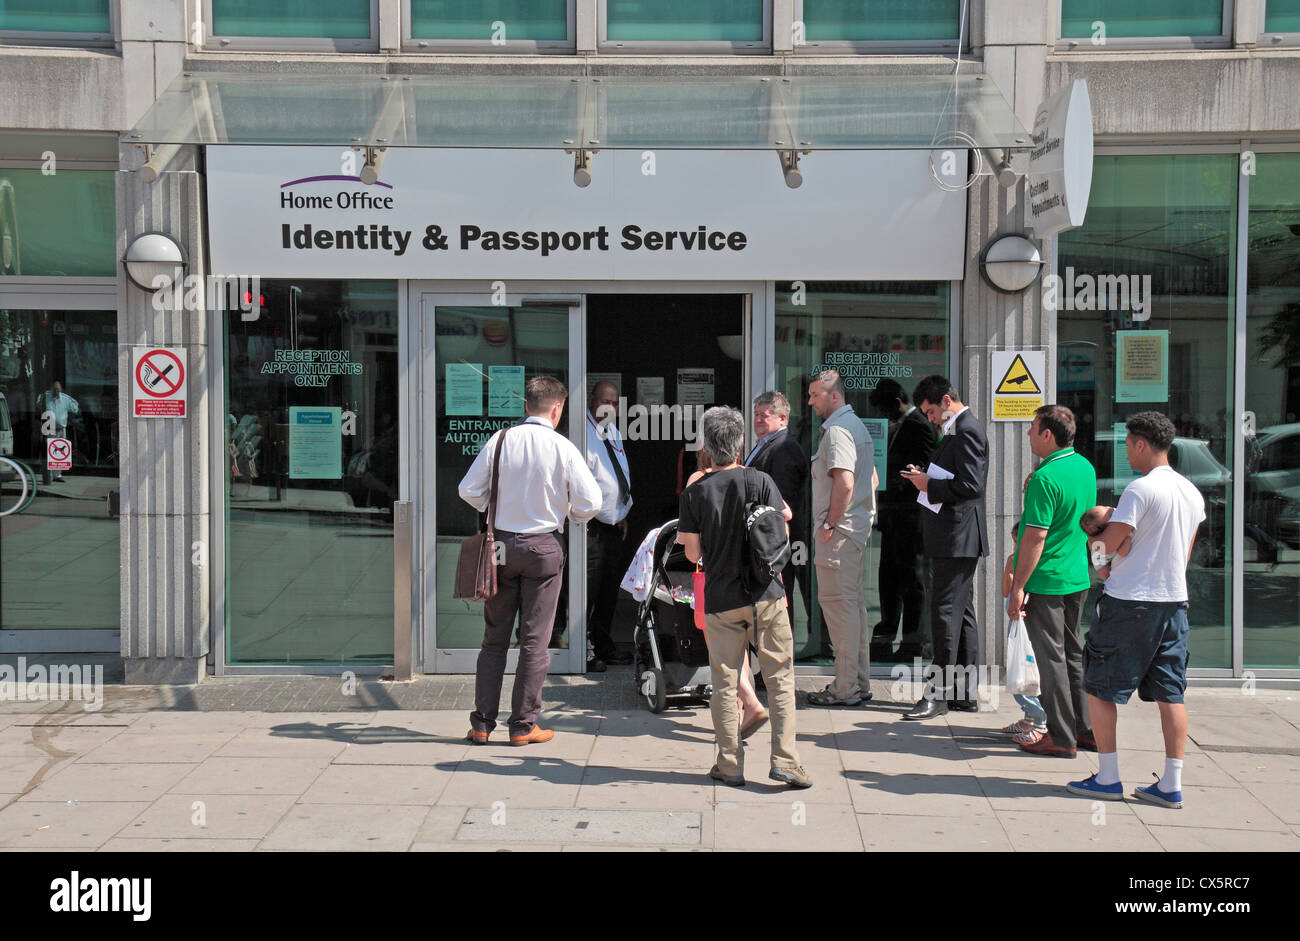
935 472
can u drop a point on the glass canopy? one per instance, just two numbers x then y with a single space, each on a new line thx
869 112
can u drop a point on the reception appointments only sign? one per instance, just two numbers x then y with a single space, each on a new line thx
495 214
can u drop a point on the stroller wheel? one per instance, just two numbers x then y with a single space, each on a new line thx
654 690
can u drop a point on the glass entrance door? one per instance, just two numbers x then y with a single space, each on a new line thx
476 358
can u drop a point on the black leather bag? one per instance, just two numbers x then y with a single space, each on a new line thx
476 570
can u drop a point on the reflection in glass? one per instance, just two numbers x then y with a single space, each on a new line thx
484 356
1145 323
59 559
678 20
870 331
1124 18
882 20
477 19
1271 583
311 469
336 19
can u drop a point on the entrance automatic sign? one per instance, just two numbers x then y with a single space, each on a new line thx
158 382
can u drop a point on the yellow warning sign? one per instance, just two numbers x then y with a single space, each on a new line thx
1018 380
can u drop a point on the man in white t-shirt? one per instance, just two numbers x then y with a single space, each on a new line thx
1138 640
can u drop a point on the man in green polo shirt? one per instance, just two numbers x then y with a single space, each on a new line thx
1051 580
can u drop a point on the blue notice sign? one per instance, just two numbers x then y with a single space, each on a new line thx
315 443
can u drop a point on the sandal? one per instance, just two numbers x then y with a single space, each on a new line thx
1032 737
753 725
1015 728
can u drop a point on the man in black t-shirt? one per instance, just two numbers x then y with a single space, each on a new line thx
711 526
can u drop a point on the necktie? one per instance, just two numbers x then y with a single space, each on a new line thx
624 490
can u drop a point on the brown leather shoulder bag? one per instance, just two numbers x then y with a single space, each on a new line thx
476 570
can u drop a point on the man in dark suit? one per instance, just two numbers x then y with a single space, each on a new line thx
912 440
955 539
778 454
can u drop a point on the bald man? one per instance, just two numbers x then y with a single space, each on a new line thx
607 532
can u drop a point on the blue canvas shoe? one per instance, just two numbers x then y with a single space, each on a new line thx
1153 795
1089 787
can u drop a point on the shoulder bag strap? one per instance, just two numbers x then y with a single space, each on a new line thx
492 493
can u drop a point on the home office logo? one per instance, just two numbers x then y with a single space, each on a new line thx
88 894
1099 292
361 198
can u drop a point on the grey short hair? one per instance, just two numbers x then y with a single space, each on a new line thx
723 428
779 403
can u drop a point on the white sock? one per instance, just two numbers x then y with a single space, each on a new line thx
1109 764
1173 779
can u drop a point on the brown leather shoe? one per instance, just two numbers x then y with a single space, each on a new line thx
535 736
1086 742
1045 746
475 737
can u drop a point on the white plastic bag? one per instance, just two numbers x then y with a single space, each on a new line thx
1022 670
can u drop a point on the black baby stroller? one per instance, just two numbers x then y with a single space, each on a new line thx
671 661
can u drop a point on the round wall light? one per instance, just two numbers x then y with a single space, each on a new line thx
1011 264
150 255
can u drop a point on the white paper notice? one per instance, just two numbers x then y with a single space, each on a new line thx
937 473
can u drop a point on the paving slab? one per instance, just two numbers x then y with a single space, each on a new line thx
1038 790
525 825
295 740
518 782
16 773
137 781
1280 797
1210 839
41 824
1254 768
1100 830
155 748
440 824
218 775
405 747
787 826
905 833
1238 732
1212 807
955 793
35 741
129 845
468 846
377 784
222 816
345 828
1200 768
615 788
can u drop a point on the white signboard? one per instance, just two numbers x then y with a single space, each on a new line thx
158 382
1060 164
501 214
58 454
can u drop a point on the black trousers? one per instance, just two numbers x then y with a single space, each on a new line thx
953 628
902 582
605 570
1052 623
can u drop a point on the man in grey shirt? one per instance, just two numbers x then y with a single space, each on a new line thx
843 497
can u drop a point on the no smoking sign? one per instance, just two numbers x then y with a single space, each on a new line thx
158 382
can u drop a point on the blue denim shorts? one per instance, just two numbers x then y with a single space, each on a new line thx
1137 645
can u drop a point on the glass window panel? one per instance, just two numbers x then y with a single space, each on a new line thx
331 19
1282 16
56 16
58 378
684 20
887 330
1271 582
484 358
1166 226
62 223
474 19
1126 19
881 20
311 474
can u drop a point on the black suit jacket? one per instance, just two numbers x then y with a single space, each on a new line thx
784 461
959 530
913 442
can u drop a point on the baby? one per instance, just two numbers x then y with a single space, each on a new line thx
1094 523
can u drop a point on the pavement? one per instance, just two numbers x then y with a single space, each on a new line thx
316 763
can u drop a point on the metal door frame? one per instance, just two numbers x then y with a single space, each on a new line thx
422 297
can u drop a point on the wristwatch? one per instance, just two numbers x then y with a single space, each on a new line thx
828 527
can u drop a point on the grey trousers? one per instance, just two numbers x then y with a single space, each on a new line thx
1052 623
528 586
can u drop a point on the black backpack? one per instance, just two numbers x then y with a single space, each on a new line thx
767 544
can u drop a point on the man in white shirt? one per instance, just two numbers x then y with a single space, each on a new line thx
543 481
1139 637
606 533
60 406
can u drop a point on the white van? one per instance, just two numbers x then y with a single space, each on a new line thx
6 429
